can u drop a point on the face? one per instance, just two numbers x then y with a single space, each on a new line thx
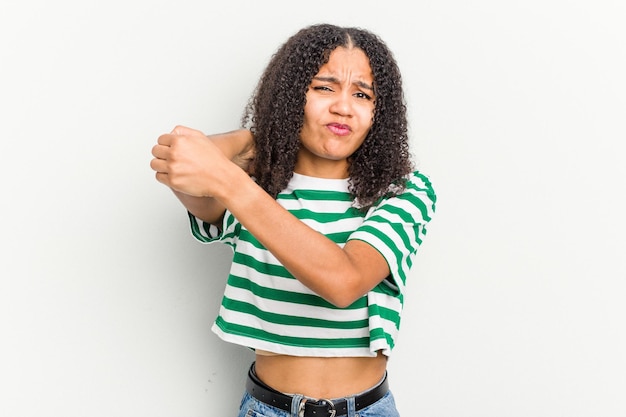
338 114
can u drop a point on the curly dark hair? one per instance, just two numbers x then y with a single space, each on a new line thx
275 113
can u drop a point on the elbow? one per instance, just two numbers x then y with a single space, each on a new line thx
340 287
344 296
342 302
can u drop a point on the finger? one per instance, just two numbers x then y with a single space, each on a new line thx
161 151
166 139
162 177
159 165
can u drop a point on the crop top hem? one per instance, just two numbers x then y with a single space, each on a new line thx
277 349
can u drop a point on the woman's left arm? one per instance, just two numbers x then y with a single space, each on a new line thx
195 167
339 275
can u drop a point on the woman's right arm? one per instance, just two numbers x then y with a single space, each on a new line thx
207 181
180 153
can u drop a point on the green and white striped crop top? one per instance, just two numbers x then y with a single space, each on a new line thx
264 307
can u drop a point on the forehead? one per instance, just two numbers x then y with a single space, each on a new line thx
351 61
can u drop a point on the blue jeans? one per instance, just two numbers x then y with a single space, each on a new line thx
251 407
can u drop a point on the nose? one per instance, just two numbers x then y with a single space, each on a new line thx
341 104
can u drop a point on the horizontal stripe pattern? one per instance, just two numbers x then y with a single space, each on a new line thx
265 307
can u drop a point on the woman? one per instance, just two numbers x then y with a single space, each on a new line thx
319 201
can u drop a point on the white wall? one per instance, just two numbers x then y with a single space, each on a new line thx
517 114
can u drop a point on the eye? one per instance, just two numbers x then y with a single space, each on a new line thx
322 88
361 94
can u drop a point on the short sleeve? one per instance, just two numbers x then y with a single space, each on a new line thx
396 227
209 233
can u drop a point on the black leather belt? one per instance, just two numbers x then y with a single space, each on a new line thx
313 408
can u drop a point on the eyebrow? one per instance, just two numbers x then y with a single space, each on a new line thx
330 79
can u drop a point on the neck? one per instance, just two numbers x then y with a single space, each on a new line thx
327 169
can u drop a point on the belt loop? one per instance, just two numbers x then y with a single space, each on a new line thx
351 407
297 405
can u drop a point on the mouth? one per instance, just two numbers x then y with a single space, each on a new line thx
339 129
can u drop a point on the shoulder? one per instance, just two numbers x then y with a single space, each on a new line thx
417 182
415 197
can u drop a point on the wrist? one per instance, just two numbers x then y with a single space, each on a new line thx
233 143
234 184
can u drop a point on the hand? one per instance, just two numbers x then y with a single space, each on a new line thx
189 162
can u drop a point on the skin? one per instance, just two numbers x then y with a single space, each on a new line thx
209 174
337 115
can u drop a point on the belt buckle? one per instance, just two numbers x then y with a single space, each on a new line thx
332 411
331 407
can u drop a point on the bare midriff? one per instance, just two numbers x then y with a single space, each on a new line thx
320 377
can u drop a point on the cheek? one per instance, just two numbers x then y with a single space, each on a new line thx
308 123
366 113
368 118
312 110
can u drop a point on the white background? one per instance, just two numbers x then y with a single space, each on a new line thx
517 111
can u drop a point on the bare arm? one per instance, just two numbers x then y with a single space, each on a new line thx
339 275
203 175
